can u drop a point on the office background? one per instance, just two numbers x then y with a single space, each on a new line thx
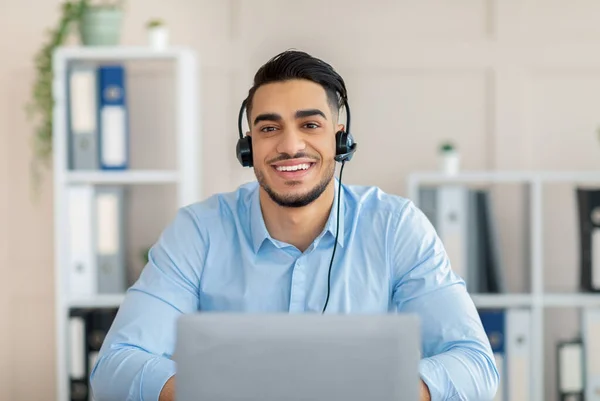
514 83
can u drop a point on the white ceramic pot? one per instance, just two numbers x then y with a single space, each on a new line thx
450 163
158 37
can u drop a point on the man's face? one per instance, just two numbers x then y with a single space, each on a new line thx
293 141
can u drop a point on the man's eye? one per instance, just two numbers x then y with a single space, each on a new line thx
311 125
267 129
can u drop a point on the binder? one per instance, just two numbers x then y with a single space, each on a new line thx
590 318
509 333
494 324
475 240
82 264
490 278
569 363
446 207
97 246
452 226
82 97
588 202
87 330
92 359
99 322
110 242
114 130
518 353
463 220
78 368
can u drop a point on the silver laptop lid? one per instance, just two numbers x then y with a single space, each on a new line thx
297 357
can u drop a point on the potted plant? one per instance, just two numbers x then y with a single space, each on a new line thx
158 34
450 158
100 23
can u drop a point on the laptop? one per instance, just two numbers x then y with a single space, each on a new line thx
297 357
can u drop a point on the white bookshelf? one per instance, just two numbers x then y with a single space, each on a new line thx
537 300
184 177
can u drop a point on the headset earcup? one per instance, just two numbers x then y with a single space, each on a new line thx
243 151
340 143
344 146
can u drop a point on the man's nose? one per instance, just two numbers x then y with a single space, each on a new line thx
291 142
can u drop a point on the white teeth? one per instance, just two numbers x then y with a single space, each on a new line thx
293 168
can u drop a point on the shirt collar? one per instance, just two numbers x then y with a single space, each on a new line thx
258 229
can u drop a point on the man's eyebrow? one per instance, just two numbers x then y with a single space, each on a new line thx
299 114
267 117
310 113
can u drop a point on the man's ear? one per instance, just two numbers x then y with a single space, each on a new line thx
340 127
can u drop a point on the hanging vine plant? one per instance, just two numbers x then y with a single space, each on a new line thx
39 109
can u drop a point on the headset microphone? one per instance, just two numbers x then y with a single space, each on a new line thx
344 150
344 157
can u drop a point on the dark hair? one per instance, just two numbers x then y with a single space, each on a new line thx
294 64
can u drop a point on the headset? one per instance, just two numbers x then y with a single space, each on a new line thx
345 146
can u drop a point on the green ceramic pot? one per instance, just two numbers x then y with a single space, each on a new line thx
101 26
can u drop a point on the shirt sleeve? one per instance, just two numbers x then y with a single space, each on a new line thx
135 361
457 361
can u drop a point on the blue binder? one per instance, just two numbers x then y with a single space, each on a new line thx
494 324
113 145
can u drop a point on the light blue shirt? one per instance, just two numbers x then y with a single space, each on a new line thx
216 255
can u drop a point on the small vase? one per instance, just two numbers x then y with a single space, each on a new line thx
450 162
158 37
101 26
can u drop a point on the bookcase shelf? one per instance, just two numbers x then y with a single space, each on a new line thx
123 177
571 300
98 301
502 300
548 300
537 301
144 180
121 53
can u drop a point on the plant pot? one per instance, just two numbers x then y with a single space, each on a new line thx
100 26
158 37
450 162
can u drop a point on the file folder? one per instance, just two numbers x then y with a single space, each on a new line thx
78 377
82 263
99 322
588 201
590 318
494 324
114 131
82 113
464 222
518 353
569 369
110 242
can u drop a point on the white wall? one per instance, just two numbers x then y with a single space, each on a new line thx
516 83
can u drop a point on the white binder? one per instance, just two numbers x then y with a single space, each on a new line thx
452 225
83 120
110 252
82 264
518 354
590 318
570 370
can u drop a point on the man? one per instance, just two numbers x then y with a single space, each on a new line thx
267 247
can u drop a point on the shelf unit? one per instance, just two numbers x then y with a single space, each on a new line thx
538 300
185 176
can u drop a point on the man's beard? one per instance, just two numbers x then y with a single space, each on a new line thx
301 199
